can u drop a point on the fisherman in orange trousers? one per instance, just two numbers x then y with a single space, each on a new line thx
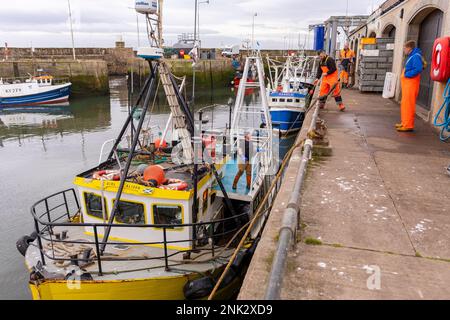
328 69
410 81
347 57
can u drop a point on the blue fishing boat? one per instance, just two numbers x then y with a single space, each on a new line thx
33 91
290 91
287 110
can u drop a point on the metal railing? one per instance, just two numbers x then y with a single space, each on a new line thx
17 80
290 221
62 208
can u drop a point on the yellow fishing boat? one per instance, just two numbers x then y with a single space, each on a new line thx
157 221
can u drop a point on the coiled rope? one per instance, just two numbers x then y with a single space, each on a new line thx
445 124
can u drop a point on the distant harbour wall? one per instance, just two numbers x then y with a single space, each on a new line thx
209 73
117 59
88 77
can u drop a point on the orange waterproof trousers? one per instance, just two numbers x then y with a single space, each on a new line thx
410 91
328 82
344 77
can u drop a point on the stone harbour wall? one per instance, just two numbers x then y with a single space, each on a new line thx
88 77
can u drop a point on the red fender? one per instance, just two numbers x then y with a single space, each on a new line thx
174 184
440 65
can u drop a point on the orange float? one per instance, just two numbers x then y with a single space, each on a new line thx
160 144
156 174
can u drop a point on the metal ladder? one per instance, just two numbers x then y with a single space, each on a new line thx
179 119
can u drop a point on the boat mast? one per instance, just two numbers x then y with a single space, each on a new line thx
194 48
160 25
71 30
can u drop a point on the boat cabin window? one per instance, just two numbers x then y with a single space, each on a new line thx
130 213
167 214
297 100
274 100
289 100
282 100
93 204
205 200
213 197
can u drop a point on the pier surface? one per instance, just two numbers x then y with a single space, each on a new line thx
375 216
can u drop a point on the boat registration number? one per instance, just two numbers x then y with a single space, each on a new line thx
16 90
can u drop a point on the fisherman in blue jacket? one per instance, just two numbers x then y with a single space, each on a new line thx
410 81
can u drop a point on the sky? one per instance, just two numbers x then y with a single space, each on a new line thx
99 23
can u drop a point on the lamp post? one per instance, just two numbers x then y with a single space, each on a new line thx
198 18
137 27
71 30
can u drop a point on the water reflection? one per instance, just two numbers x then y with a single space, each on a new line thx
81 115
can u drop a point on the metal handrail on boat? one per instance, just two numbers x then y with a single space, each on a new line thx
45 222
15 80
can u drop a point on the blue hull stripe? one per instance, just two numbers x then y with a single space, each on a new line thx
150 57
287 120
37 98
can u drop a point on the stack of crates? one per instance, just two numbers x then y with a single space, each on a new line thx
376 60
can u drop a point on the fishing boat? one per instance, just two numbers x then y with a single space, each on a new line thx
291 87
156 220
34 91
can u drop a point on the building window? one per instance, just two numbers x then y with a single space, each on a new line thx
166 214
130 213
93 204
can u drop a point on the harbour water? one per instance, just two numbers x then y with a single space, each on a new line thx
49 146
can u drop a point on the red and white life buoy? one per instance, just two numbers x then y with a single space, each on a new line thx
107 175
174 184
440 65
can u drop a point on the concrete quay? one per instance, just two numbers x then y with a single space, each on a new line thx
375 216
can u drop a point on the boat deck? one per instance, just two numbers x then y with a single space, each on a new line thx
202 261
241 193
172 171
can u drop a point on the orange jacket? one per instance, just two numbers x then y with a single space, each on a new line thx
347 54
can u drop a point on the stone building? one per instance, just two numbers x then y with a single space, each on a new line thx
402 20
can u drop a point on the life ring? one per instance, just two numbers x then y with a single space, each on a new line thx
174 184
440 65
107 175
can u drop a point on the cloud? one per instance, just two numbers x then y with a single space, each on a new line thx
45 23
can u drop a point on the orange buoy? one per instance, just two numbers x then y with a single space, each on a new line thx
160 144
155 174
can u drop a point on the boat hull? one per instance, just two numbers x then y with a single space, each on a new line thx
164 288
287 120
51 96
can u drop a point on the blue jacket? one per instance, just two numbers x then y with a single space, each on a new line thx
414 64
